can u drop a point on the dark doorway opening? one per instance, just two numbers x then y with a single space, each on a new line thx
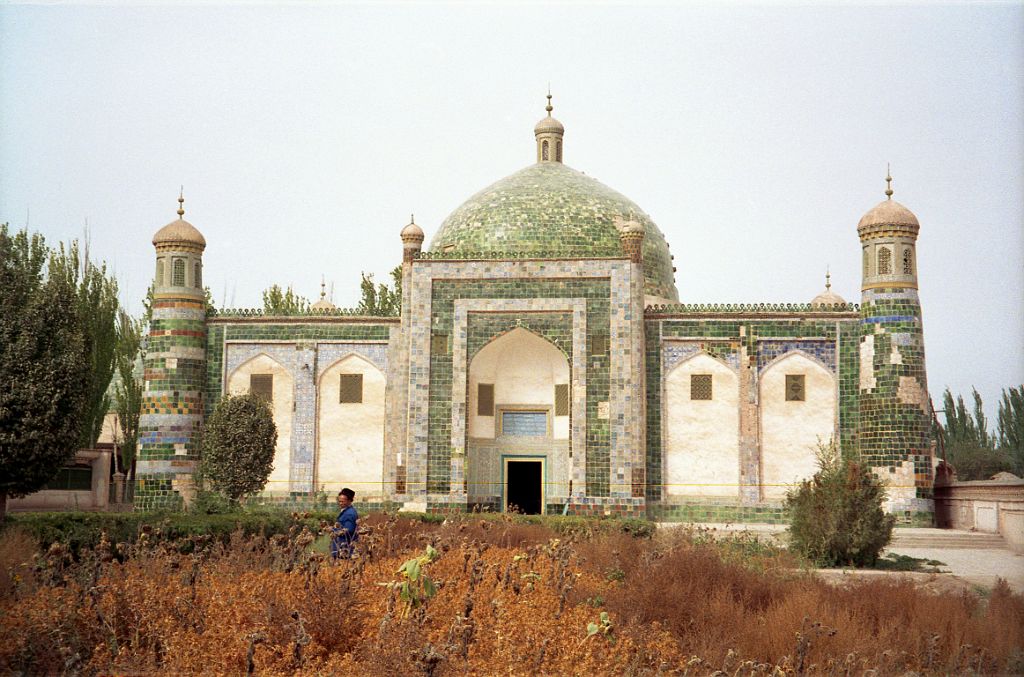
523 487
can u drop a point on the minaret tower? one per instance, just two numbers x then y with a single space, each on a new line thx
895 411
172 402
549 133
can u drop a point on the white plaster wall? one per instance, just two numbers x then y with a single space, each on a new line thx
524 369
284 397
791 431
351 444
702 436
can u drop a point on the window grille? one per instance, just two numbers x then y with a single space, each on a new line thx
598 344
558 151
544 150
350 389
262 386
178 277
884 261
795 388
438 344
700 386
908 266
561 399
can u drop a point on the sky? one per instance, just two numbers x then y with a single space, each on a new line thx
754 135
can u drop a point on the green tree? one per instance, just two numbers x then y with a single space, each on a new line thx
238 444
836 517
283 302
128 389
970 448
97 307
380 300
1010 426
45 367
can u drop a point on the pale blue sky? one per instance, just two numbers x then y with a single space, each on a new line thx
754 135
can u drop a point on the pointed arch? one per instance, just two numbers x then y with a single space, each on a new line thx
697 354
791 428
525 327
701 435
789 353
282 406
350 426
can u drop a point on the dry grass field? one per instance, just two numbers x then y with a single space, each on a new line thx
480 597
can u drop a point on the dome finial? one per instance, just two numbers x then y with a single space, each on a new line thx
323 288
888 181
549 107
181 203
828 279
412 218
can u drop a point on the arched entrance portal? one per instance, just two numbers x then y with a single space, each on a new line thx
518 424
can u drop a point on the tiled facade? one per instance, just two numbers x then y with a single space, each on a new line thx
550 251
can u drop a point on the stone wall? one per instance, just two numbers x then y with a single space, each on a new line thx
993 506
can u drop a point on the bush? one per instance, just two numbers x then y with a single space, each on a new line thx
836 517
238 445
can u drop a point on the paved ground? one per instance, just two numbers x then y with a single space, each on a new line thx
962 566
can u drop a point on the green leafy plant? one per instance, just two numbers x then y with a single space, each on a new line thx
603 627
414 586
238 444
836 517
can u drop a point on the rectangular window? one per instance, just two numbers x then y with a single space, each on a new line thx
524 423
262 386
76 478
598 344
562 399
700 386
178 273
438 344
795 391
351 389
485 399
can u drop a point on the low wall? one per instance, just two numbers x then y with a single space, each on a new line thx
95 498
993 506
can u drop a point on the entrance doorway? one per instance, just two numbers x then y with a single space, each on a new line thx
524 485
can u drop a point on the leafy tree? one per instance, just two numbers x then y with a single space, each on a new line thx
1010 426
380 300
128 389
45 367
96 295
970 448
836 517
238 443
283 302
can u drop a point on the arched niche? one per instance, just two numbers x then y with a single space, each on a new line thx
792 428
524 369
282 406
701 445
350 428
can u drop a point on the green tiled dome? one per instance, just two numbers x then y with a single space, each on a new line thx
551 209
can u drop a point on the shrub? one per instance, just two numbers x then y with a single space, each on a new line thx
836 517
238 445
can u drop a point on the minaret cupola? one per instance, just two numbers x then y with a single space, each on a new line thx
549 133
888 236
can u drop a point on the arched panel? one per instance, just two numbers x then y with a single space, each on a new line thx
702 429
282 405
350 426
524 370
798 411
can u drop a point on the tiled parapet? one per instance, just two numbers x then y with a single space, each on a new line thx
895 410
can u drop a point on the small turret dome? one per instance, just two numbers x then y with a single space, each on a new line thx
549 125
323 305
828 297
888 212
412 232
180 230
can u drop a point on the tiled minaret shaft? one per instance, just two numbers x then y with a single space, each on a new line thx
895 411
175 370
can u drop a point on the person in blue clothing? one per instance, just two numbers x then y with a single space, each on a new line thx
343 535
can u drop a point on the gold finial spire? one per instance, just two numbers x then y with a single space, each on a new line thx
181 203
828 279
412 218
888 181
549 107
323 288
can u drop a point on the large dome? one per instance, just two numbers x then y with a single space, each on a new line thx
551 209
